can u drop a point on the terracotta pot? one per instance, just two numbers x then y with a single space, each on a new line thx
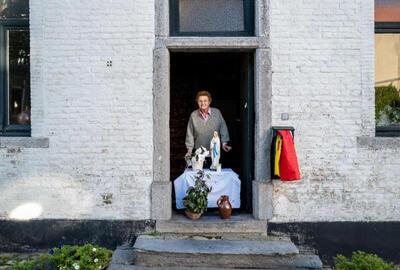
224 207
191 215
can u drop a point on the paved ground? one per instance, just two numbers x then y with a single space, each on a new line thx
8 259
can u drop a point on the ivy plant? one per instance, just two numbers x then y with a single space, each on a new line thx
196 199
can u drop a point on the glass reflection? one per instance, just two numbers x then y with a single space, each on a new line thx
14 9
387 79
211 15
18 77
387 10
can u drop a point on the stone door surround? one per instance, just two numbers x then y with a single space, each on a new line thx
161 204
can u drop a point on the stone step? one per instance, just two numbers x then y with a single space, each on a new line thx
135 267
154 251
215 246
212 225
221 236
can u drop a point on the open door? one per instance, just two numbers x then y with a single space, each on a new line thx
229 77
247 129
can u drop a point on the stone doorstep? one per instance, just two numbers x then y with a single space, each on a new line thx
135 267
220 236
212 224
210 242
155 244
151 252
227 260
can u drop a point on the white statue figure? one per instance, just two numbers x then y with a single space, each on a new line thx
215 151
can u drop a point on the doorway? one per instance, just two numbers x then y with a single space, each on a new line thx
229 77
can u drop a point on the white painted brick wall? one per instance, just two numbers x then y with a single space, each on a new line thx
98 119
323 76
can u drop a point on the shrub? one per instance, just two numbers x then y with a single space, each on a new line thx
362 261
87 257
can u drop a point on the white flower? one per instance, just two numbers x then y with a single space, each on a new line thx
94 249
96 260
76 266
198 151
99 266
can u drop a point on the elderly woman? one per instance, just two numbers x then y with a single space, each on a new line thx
202 124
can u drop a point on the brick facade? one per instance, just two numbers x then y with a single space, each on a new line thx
323 76
99 122
98 119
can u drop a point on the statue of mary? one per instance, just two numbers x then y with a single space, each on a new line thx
215 151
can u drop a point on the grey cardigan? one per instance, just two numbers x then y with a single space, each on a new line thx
199 132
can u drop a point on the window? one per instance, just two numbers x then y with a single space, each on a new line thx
387 67
15 74
211 17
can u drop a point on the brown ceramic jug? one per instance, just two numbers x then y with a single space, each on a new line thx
224 207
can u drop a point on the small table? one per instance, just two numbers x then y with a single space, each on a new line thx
226 182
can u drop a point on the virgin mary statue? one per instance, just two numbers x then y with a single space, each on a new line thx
215 150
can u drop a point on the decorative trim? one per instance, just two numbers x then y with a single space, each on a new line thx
179 43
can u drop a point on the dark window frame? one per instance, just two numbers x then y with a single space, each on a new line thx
9 129
249 22
387 28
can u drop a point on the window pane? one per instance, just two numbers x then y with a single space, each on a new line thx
18 77
387 10
387 79
11 9
211 15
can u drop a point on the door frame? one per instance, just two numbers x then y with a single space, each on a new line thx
161 189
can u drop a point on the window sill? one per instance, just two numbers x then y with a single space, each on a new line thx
378 143
24 142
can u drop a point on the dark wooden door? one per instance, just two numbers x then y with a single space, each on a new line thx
247 129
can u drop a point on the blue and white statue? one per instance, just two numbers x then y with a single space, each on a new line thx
215 151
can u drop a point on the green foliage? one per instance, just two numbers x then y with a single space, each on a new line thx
87 257
387 105
362 261
196 199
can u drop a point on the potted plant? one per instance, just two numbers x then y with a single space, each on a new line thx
196 160
196 199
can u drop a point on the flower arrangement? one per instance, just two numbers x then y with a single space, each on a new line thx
196 160
196 199
86 257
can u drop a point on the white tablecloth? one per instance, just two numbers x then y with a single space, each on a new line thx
226 182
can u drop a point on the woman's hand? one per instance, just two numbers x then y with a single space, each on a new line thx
188 153
226 147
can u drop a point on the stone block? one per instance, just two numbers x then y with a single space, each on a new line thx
262 200
161 208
